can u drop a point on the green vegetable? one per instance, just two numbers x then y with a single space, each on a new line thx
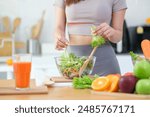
135 57
82 82
96 39
71 64
142 69
143 86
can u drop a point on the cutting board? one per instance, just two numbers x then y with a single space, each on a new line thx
60 79
7 87
117 94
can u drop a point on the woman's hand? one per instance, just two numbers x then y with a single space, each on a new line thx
108 32
60 41
105 31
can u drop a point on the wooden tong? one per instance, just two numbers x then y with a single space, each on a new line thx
36 29
85 64
16 24
6 23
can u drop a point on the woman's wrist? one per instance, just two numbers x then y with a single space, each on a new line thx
116 37
60 41
59 34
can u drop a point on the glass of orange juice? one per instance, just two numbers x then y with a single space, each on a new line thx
22 69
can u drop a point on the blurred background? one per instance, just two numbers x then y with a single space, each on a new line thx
27 26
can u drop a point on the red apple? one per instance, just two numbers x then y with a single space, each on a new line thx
127 83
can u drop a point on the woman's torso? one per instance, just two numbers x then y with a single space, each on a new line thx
81 16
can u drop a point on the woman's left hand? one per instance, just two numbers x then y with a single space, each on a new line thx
105 31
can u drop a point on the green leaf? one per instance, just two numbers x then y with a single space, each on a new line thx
82 82
96 39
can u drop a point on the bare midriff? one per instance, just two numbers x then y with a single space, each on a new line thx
79 39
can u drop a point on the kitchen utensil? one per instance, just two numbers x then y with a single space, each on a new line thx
33 33
36 29
16 24
6 44
0 23
34 46
48 82
6 23
87 61
5 35
60 79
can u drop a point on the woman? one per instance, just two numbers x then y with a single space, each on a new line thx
78 16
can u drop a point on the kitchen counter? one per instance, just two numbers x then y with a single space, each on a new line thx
44 66
67 92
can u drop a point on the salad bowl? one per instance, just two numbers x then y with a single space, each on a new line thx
70 65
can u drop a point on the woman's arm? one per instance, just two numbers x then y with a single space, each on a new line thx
114 33
60 25
117 25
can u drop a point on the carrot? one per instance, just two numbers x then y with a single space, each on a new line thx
145 45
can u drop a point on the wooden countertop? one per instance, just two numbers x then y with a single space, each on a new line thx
69 93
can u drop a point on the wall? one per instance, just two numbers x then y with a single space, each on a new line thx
138 11
31 10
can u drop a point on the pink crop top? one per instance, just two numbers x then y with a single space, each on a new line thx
89 12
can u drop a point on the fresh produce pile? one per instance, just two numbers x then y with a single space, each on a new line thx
137 82
106 83
69 64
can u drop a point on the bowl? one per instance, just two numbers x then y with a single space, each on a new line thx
70 68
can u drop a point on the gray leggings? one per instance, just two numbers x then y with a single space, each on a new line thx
106 61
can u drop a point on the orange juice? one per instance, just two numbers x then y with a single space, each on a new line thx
22 74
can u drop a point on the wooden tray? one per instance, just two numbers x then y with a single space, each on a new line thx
60 79
7 87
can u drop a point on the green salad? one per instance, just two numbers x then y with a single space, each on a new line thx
83 82
70 64
97 40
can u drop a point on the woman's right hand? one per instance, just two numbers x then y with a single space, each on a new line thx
60 41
